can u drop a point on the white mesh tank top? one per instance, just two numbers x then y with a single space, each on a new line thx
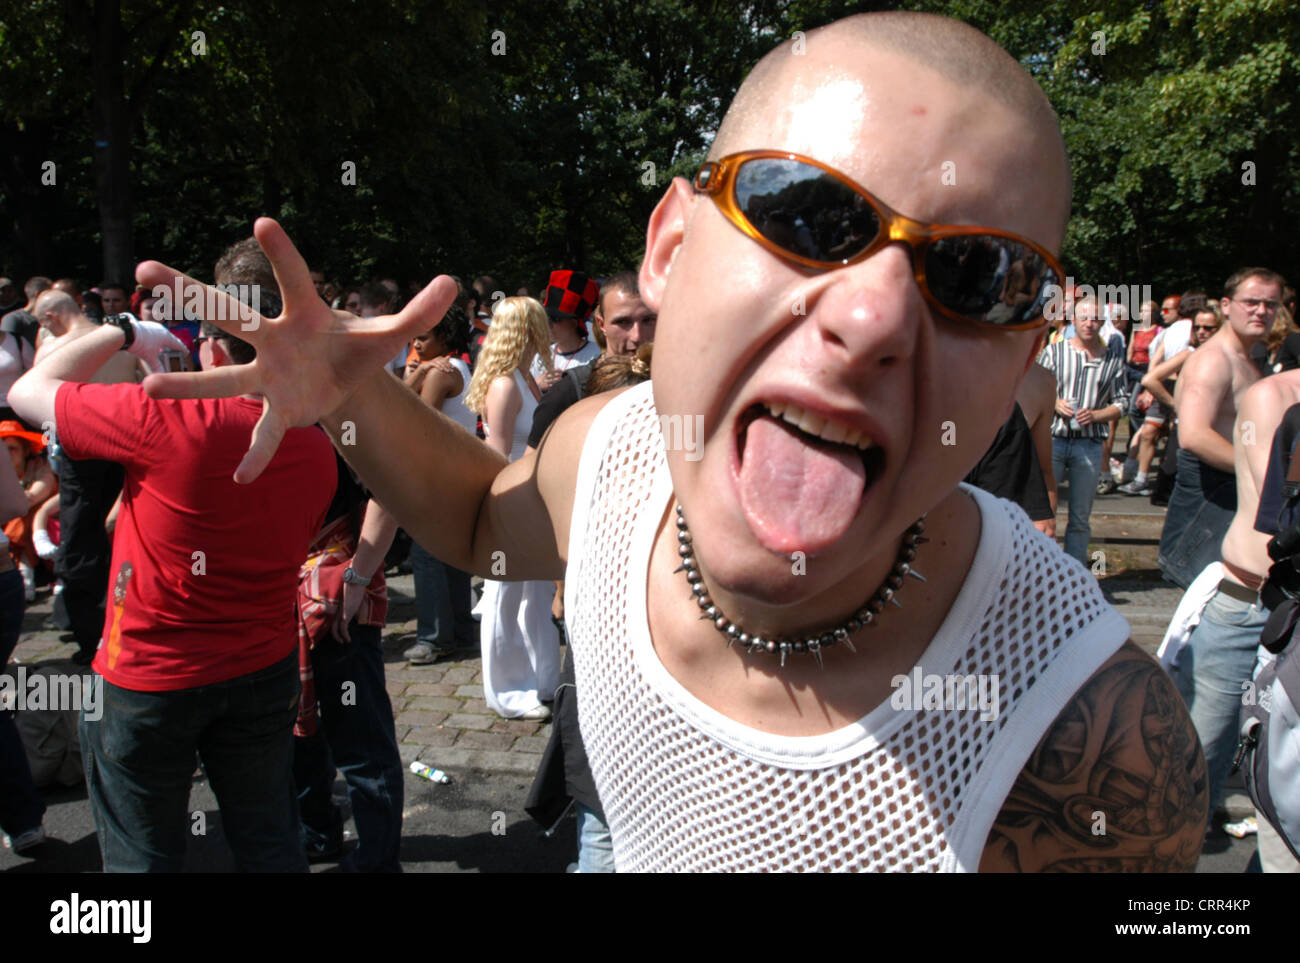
685 788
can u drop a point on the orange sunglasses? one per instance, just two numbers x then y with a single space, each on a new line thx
812 215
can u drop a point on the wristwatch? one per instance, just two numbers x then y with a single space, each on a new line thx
128 329
351 576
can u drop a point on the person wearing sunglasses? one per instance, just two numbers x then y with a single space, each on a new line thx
739 536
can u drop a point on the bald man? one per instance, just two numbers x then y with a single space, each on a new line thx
733 535
87 488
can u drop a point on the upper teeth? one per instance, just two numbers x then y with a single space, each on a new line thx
817 425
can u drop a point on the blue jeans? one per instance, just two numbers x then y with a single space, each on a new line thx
595 848
1081 458
1201 507
442 604
139 760
1219 657
21 809
358 736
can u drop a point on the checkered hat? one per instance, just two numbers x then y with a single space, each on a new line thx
570 294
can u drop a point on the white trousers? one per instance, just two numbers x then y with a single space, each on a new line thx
521 647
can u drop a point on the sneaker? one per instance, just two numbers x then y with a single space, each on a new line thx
424 653
1137 488
1106 486
25 841
539 714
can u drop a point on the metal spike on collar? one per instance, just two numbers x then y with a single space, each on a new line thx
864 616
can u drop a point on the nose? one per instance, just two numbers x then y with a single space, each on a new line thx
640 333
870 312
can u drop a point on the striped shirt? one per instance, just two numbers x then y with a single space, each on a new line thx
1089 382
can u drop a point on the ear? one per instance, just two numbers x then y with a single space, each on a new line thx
663 240
220 356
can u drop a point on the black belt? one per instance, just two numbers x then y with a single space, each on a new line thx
1236 590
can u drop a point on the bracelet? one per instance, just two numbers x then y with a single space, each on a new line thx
352 577
123 323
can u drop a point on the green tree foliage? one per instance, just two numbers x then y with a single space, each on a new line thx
515 137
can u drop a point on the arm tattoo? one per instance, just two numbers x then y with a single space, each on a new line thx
1117 784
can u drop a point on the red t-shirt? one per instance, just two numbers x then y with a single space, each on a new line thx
175 618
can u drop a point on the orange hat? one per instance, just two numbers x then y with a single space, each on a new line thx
12 429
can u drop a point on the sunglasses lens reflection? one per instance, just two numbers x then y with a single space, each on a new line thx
804 210
988 279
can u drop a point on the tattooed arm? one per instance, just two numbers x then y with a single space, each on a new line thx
1117 784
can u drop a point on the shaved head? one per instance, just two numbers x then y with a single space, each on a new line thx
969 60
56 302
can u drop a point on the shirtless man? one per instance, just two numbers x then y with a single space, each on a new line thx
1206 397
1037 398
1205 325
758 754
87 488
1220 655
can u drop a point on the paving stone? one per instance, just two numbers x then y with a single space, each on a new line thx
516 727
409 751
454 760
436 704
470 692
421 718
484 740
430 673
464 720
430 689
433 736
458 675
478 706
395 689
402 733
530 744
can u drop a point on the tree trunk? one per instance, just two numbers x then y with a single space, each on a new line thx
31 203
113 129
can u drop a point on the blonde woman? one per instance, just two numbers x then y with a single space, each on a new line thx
521 647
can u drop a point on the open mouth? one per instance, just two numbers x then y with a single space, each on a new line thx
801 477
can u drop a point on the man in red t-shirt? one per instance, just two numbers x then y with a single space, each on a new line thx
199 646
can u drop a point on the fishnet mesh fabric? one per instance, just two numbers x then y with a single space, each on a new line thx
678 799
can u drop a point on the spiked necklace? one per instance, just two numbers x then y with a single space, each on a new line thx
865 615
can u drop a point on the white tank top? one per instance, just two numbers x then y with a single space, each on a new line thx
523 423
454 408
685 788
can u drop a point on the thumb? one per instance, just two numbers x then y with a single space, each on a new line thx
427 308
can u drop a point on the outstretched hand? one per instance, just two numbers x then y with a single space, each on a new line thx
310 359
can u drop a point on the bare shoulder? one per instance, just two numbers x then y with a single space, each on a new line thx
1117 783
1208 364
1037 391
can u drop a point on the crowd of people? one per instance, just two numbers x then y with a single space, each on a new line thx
750 727
486 375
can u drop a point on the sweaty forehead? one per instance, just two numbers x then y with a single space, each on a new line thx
930 146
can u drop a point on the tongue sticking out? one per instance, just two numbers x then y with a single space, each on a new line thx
797 494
